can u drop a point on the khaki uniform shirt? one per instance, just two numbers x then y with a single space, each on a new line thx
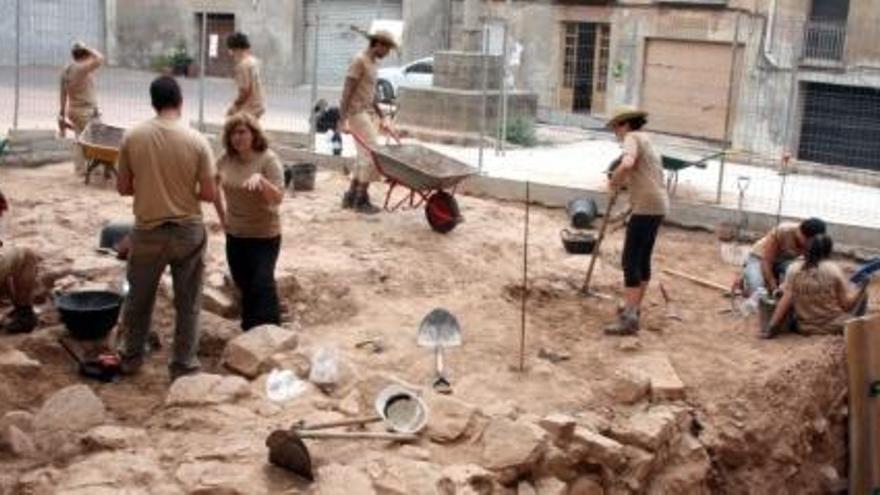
786 238
82 100
247 213
647 191
247 76
363 70
816 296
167 161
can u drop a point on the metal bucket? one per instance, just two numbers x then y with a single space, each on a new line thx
401 409
582 212
301 176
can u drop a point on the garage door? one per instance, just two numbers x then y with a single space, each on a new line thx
49 28
685 87
338 43
841 125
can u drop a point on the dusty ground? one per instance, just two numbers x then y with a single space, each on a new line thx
770 414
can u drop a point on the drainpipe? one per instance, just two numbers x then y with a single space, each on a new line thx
769 28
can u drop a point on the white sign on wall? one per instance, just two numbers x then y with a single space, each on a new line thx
213 45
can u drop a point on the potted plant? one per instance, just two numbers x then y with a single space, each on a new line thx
180 60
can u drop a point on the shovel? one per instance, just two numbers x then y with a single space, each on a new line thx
105 368
439 330
605 220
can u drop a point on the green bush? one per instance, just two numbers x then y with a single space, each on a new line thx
521 132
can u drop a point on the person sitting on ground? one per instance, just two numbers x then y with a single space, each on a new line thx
79 104
169 169
640 168
250 96
361 115
251 187
18 273
821 295
769 257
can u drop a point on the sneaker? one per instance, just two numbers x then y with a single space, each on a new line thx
20 320
627 324
176 371
348 200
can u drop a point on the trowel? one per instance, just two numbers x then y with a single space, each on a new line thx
439 330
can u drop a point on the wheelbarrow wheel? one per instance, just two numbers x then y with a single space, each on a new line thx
442 212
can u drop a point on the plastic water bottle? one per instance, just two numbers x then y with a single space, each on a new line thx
336 143
283 385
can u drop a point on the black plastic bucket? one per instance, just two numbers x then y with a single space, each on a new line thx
582 212
301 176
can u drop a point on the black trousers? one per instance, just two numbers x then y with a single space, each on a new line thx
641 233
252 263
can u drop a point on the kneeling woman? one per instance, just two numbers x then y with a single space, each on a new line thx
822 297
251 182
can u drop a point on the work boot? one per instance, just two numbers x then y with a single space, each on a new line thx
22 319
363 205
349 197
627 324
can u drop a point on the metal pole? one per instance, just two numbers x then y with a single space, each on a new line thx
483 117
502 124
378 9
728 128
17 64
203 60
525 283
314 93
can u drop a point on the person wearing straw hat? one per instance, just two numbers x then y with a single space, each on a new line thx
361 115
641 170
78 98
250 98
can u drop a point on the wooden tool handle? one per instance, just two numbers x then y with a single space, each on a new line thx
697 280
602 229
339 435
336 424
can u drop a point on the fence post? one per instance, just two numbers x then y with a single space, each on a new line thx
314 94
728 127
485 89
502 124
17 64
203 56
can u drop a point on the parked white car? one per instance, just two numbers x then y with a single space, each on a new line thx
416 74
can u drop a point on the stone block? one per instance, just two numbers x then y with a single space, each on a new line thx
450 418
512 445
250 353
665 382
205 389
591 446
559 426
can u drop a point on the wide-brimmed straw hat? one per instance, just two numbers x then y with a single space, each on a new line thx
624 113
384 36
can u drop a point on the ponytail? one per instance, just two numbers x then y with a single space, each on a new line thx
819 248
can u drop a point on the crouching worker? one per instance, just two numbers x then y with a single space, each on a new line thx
766 263
818 292
18 275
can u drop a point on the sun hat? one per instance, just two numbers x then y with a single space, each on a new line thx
384 36
624 113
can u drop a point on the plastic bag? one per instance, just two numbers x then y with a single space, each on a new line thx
325 366
283 385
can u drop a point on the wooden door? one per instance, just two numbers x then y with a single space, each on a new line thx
219 61
600 76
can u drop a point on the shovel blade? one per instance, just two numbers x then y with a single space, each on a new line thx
287 450
439 328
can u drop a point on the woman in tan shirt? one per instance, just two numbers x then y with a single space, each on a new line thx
822 297
641 170
251 183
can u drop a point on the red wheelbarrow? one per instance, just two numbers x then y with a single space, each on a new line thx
426 174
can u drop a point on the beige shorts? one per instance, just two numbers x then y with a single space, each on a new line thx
11 261
366 126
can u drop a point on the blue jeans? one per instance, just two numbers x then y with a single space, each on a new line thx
753 276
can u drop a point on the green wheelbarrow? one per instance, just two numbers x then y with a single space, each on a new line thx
673 165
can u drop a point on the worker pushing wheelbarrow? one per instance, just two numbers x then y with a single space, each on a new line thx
430 177
100 147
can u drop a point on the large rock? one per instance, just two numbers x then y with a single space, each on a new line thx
215 477
19 443
585 485
512 445
112 437
403 477
22 420
628 386
15 362
587 445
68 412
467 479
250 353
219 302
665 382
649 430
215 332
204 388
107 473
449 418
550 486
336 479
559 426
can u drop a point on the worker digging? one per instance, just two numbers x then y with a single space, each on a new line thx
201 328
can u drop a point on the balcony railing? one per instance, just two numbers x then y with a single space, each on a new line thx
824 41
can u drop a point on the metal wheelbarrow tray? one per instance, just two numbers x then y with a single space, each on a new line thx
100 145
427 175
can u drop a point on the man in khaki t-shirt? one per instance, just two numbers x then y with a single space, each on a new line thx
765 264
250 97
362 116
78 96
168 168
